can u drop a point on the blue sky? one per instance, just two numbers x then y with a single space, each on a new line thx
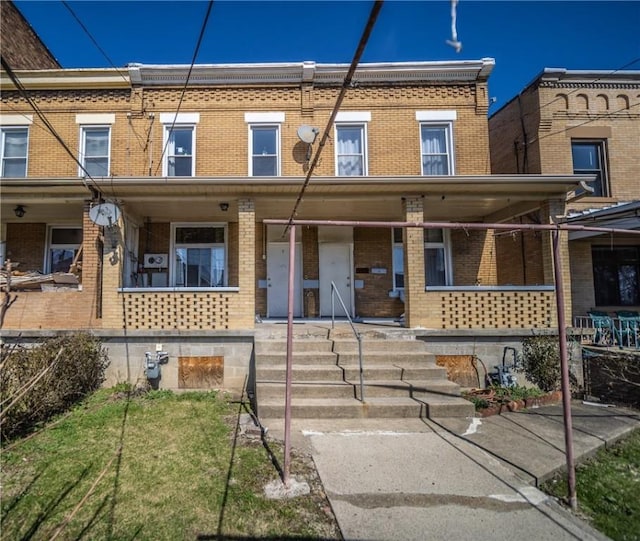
523 36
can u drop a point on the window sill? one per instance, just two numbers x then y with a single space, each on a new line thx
178 289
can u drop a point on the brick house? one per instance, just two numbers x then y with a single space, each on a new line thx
194 173
581 122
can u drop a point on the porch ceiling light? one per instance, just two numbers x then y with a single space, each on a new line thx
20 211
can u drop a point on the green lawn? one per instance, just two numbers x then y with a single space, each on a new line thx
158 466
608 489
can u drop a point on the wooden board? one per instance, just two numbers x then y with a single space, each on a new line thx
200 372
461 369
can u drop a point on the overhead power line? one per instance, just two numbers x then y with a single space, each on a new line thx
25 94
93 40
186 83
375 10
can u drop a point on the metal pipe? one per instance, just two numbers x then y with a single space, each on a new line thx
287 399
457 225
564 369
333 306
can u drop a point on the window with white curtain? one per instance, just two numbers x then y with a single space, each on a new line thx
94 151
200 255
436 144
14 152
180 142
351 157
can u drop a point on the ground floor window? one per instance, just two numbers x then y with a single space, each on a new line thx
437 258
616 275
63 245
200 255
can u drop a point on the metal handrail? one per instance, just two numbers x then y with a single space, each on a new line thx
334 293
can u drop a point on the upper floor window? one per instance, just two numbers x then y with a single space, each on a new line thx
351 157
15 143
179 143
200 255
179 155
436 149
94 151
265 142
436 141
590 158
351 143
63 245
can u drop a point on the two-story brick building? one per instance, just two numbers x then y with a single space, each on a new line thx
585 122
194 171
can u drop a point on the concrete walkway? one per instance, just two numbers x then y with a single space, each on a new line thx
472 479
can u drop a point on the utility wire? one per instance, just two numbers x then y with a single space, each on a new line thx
25 94
184 89
631 63
375 10
581 124
93 40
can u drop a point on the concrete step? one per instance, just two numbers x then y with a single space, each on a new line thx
299 345
343 408
343 389
403 358
379 346
350 373
320 358
383 407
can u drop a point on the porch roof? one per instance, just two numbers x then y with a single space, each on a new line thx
463 197
624 215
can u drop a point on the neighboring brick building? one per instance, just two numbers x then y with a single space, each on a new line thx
579 122
191 252
20 46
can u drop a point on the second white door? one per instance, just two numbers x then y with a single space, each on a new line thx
335 266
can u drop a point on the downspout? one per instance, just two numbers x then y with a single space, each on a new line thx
525 157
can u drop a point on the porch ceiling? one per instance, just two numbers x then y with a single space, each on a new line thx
460 198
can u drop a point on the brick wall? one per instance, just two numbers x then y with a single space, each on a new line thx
26 244
21 46
519 257
373 249
474 258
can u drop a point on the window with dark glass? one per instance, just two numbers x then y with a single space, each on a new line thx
616 275
589 158
264 151
180 151
200 256
64 243
95 151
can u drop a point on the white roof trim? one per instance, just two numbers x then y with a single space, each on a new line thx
256 118
180 118
432 116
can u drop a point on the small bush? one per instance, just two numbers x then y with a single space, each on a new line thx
78 371
541 360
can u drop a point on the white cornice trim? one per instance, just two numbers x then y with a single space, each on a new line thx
296 73
88 78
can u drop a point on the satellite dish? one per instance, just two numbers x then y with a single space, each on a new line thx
105 214
307 134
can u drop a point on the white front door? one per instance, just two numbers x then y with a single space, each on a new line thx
278 280
335 266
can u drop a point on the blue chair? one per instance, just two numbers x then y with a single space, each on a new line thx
605 329
628 329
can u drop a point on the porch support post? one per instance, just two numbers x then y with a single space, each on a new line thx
552 210
246 264
108 302
91 264
414 280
